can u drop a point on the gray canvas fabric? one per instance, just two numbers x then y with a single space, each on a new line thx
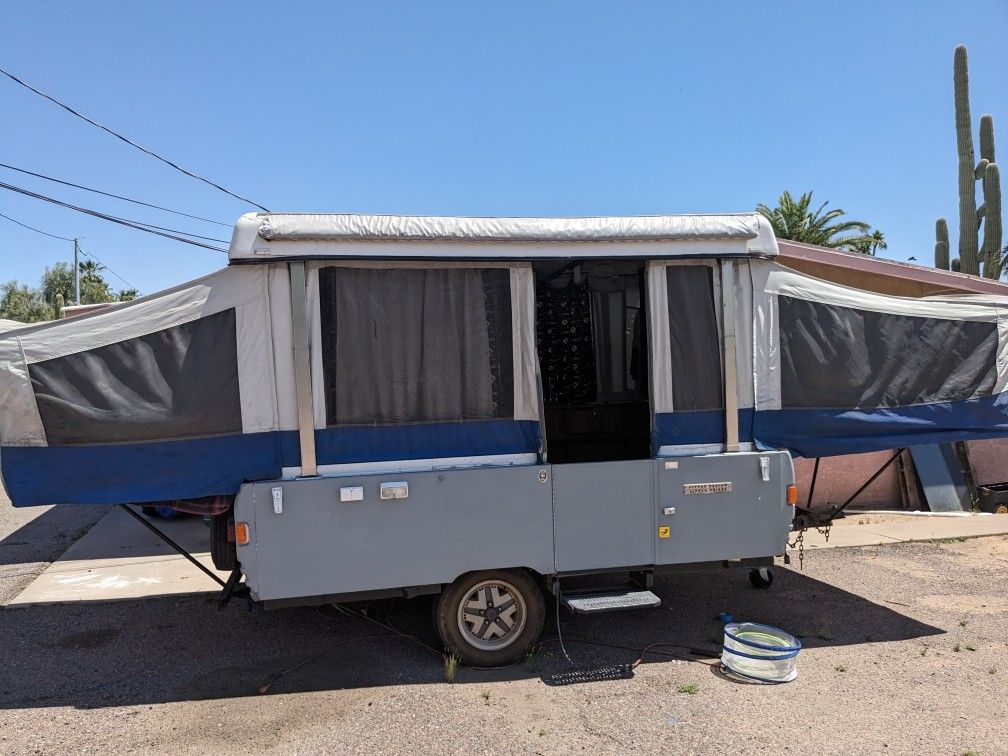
833 356
181 382
695 347
416 345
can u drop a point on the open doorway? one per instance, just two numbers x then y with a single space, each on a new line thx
592 339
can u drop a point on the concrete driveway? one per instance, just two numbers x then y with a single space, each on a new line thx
32 537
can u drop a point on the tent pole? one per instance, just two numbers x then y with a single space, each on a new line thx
730 368
302 370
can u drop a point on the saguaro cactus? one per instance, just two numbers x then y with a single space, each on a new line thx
992 221
987 138
941 244
968 222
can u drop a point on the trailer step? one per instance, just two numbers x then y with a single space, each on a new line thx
611 601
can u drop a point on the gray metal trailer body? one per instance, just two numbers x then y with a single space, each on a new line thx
555 520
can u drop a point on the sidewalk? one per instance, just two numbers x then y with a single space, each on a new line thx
874 528
120 559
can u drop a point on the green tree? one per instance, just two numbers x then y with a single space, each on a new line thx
23 303
58 280
794 219
871 244
127 295
94 289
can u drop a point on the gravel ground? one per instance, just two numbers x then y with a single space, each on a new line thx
32 537
905 652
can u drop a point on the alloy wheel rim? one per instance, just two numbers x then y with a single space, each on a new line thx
492 615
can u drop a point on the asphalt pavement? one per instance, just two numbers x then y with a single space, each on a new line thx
904 652
32 537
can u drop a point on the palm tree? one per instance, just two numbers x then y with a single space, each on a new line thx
878 242
90 269
795 220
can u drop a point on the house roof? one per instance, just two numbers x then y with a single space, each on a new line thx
881 275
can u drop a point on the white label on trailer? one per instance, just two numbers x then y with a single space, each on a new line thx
351 493
706 488
672 465
278 499
764 467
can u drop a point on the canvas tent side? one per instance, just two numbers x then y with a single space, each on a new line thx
171 396
190 392
840 370
421 336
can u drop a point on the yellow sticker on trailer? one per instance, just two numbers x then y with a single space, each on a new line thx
663 531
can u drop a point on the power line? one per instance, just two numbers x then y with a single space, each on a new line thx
65 238
110 194
32 228
169 233
106 267
117 135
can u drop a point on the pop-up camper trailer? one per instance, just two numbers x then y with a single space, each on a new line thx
483 408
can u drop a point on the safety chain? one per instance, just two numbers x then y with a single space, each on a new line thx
799 541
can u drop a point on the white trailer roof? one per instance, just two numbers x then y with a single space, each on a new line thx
259 236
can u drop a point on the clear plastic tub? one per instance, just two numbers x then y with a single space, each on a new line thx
760 652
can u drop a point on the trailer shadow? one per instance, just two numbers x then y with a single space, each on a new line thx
48 533
180 648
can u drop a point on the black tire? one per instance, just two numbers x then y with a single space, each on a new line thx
149 511
761 577
223 551
525 616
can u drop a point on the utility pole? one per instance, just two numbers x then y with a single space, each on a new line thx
76 272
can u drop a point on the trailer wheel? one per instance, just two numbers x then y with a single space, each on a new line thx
761 577
223 551
491 618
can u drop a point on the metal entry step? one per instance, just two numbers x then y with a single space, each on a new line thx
611 601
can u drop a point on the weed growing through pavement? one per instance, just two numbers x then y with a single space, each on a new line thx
840 668
992 671
485 695
450 667
690 688
956 648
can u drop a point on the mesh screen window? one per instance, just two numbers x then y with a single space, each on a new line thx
181 382
416 345
695 354
841 357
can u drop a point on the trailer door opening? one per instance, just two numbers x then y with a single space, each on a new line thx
592 342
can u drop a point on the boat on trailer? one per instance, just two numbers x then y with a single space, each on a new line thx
484 408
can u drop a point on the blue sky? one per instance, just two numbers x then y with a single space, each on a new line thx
572 108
